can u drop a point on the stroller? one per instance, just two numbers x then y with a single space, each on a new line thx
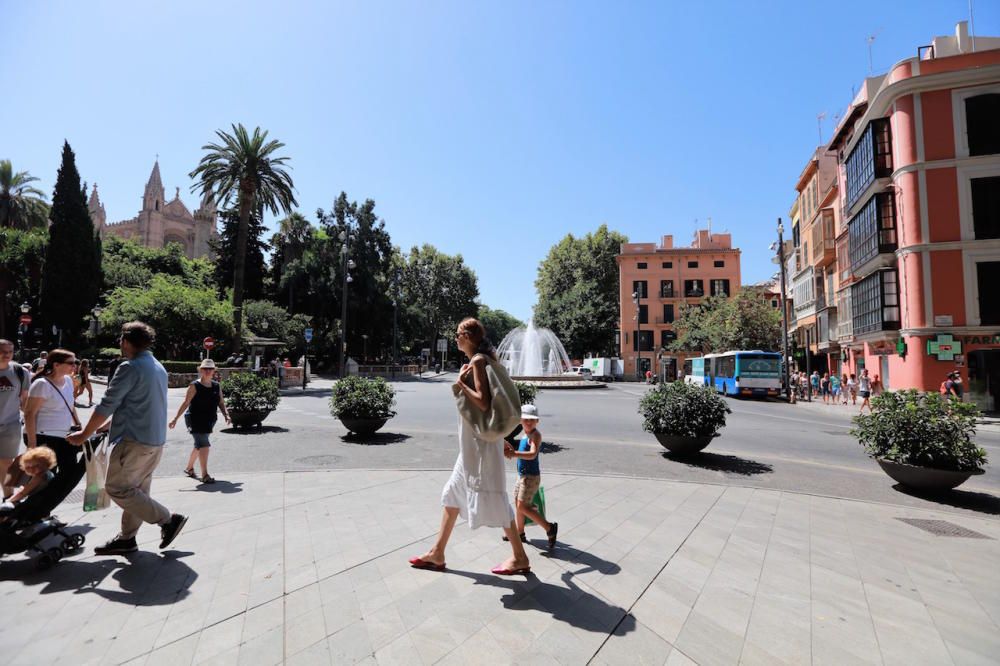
31 522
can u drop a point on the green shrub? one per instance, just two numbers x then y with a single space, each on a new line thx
247 392
527 392
363 398
683 410
924 429
181 366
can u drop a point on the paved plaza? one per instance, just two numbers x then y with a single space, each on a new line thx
310 568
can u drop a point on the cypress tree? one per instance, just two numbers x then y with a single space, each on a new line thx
225 254
72 279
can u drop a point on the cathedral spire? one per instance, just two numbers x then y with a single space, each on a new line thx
96 208
153 197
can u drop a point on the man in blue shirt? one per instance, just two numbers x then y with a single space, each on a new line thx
137 400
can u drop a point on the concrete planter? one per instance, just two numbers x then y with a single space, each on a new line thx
925 478
683 445
362 426
248 419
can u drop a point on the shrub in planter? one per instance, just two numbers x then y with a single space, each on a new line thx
526 392
683 417
250 398
909 429
363 404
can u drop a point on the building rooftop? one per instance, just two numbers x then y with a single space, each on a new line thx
704 240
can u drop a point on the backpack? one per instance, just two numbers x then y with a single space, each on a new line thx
943 390
22 375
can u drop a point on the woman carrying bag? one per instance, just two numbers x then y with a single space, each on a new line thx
477 489
50 415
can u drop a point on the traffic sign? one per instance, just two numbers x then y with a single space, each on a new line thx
26 319
442 345
208 343
426 351
308 335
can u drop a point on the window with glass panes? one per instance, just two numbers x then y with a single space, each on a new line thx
873 229
720 287
870 159
642 340
668 313
982 123
694 288
875 303
666 288
643 314
640 287
986 206
666 337
987 277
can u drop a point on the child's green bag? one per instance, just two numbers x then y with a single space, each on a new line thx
539 501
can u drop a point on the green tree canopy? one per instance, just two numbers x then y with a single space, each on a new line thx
182 315
128 264
718 324
22 205
438 291
22 257
267 320
578 291
72 279
498 323
255 267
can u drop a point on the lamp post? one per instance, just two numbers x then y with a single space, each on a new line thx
638 336
784 310
22 328
364 347
395 324
348 264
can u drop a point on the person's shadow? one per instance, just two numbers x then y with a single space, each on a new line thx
222 487
144 578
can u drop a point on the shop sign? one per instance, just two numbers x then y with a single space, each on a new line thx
943 320
901 348
982 339
881 348
944 347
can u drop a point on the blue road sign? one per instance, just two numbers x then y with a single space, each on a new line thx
309 335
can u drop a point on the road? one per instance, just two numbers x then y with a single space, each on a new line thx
799 448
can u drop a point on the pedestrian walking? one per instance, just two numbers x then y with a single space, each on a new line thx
529 476
50 415
136 401
202 402
824 387
476 489
834 388
14 383
39 363
845 388
865 390
951 387
83 383
852 387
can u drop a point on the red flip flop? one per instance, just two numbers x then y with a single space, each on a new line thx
499 571
418 563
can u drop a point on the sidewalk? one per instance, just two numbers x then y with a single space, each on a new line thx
989 422
310 568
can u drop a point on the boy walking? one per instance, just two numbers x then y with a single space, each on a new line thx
137 398
529 475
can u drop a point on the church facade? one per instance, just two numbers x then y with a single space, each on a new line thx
160 221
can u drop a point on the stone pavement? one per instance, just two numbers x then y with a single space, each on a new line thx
310 568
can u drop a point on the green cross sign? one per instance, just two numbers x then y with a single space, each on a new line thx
944 346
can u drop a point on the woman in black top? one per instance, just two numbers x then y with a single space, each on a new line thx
203 398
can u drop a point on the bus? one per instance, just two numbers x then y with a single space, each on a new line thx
744 373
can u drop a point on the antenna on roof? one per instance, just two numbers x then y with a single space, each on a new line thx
972 27
871 40
819 124
709 228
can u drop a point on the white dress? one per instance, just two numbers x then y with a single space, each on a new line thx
478 484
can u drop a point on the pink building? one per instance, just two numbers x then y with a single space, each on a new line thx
919 181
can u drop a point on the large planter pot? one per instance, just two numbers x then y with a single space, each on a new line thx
683 445
247 419
362 426
925 478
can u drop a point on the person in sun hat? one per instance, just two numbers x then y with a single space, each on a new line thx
201 403
529 475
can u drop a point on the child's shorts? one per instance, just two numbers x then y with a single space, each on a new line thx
201 440
526 487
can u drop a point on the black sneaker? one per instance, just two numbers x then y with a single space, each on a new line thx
117 546
171 529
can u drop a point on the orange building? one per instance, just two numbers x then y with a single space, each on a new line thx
919 181
654 280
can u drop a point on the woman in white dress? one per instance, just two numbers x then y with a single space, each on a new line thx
477 489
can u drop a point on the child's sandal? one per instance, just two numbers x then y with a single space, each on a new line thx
190 473
524 539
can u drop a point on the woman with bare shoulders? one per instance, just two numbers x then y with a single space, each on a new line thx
477 489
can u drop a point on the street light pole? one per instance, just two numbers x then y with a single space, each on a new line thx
348 265
22 328
395 325
784 310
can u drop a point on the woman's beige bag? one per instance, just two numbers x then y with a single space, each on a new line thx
504 412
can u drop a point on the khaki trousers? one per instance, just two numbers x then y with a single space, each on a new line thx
130 473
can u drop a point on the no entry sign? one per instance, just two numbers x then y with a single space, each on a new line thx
25 319
208 343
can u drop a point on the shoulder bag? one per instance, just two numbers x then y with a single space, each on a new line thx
76 422
504 411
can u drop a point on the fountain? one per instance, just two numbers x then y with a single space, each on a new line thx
536 355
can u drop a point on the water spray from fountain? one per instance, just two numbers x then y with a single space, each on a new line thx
533 352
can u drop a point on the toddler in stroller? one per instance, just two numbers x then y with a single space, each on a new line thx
30 522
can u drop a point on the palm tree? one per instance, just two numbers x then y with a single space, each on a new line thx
244 167
293 237
22 205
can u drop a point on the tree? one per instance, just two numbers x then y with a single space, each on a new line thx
578 292
22 257
127 264
498 323
267 320
255 268
290 244
72 279
244 168
718 324
438 291
182 315
22 205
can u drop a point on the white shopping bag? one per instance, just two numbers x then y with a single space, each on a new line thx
95 497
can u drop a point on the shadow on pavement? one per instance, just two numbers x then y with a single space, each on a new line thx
220 486
568 554
960 499
145 579
263 430
377 439
718 462
552 447
568 604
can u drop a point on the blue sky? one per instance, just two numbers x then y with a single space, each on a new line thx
487 129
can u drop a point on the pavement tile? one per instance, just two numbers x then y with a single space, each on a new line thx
634 643
263 649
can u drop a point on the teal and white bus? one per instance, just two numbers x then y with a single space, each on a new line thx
744 373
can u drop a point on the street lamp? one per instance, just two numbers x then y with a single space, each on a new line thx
638 335
784 310
395 325
364 347
348 263
21 330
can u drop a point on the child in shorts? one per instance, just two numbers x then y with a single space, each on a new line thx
529 475
37 462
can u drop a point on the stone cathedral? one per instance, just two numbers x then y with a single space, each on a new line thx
161 221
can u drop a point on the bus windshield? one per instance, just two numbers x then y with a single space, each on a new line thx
759 366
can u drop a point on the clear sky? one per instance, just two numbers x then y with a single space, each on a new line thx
487 129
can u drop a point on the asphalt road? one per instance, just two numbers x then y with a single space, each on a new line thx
765 444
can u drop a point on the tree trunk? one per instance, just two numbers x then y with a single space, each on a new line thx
239 267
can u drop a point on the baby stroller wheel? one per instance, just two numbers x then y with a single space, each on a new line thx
55 553
69 545
44 562
78 540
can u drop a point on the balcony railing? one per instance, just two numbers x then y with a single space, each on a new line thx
845 322
870 159
826 328
667 293
664 320
873 230
804 290
823 238
875 303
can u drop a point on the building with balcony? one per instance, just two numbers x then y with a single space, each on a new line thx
918 258
655 280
